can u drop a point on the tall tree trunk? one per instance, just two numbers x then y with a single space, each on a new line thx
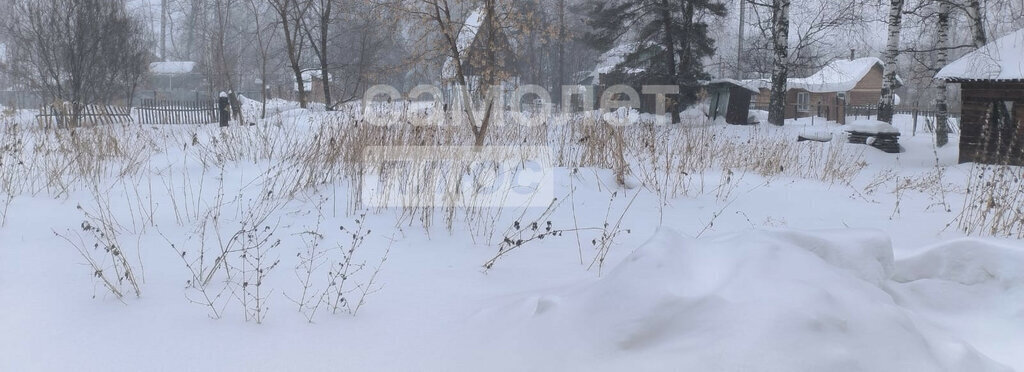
670 53
892 52
222 12
291 13
688 92
163 30
977 20
297 72
490 76
561 52
739 41
780 65
442 16
325 22
293 58
942 41
263 87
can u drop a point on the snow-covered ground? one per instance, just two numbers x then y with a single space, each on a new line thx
857 263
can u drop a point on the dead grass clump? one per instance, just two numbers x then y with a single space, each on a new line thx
995 202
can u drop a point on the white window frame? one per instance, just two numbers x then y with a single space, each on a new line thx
842 97
803 102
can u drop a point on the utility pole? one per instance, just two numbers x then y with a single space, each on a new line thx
163 30
739 42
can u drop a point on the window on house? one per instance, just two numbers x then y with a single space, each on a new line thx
803 102
841 97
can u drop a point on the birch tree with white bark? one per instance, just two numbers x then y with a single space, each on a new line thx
780 65
942 43
887 102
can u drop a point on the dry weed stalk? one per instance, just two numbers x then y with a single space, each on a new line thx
112 266
995 202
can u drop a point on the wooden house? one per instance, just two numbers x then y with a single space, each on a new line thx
992 112
476 63
826 93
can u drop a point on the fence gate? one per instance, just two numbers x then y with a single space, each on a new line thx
152 111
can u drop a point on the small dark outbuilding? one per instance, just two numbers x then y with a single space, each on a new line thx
730 99
992 86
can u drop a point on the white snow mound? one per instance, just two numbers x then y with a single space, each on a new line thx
999 60
765 301
872 126
968 262
837 76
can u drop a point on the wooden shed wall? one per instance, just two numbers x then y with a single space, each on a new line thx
739 106
978 98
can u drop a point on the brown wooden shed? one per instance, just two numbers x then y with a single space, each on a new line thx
730 99
992 88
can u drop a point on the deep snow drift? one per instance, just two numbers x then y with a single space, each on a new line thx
766 301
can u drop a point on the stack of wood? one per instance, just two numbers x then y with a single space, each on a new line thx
880 135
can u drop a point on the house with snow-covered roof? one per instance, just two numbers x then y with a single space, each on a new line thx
313 84
175 79
992 112
474 51
826 93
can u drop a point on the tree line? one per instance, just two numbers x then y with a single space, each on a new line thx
91 51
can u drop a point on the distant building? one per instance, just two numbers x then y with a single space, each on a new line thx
730 99
175 80
472 49
313 84
992 113
826 93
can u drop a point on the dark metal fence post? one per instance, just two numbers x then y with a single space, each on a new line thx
224 105
914 114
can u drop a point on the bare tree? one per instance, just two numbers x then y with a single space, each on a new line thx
264 33
81 52
440 15
319 39
290 15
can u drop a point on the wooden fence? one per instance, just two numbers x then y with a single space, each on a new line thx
152 111
62 115
923 118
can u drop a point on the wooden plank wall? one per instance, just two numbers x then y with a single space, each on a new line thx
177 112
60 116
979 141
